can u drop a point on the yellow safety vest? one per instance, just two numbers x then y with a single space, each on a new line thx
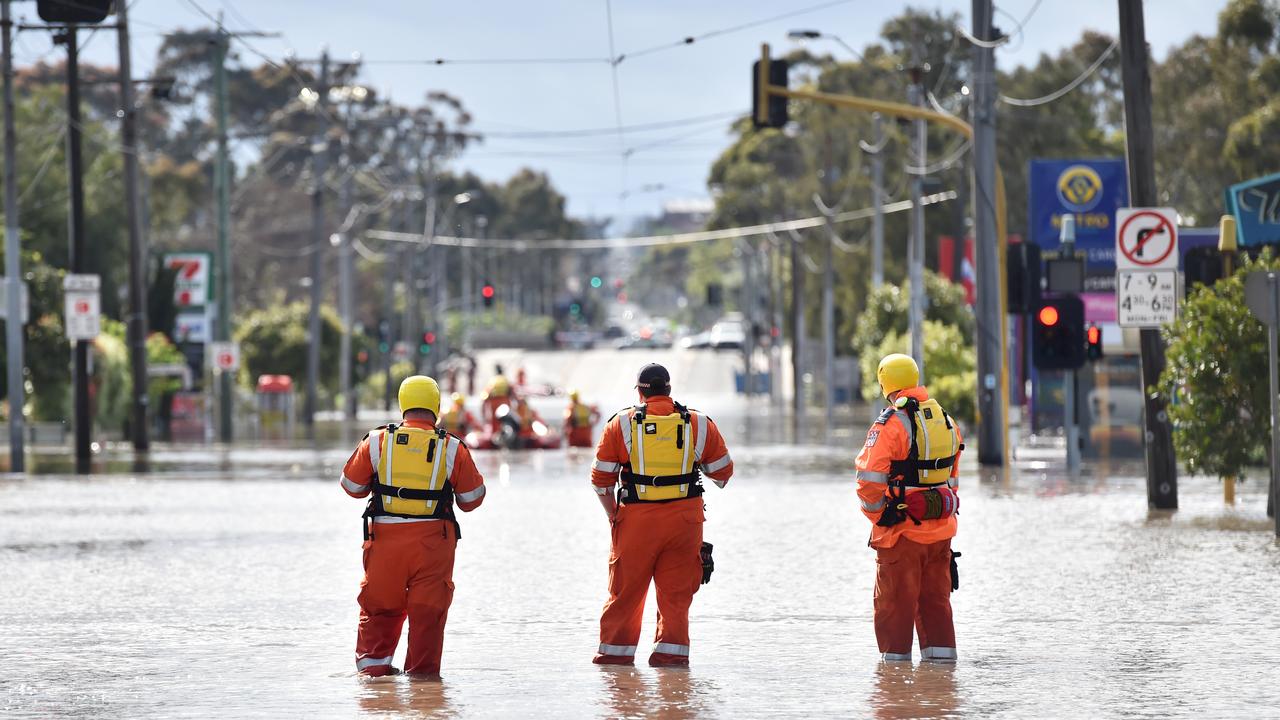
580 416
663 453
414 466
935 444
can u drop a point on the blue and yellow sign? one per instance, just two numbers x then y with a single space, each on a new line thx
1091 190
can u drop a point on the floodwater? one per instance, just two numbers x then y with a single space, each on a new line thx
223 584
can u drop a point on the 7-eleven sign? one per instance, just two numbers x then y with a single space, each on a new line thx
193 286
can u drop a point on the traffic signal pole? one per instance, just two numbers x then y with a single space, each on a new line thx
222 275
994 325
319 163
137 319
75 171
1162 468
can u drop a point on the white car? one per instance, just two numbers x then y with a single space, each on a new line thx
728 335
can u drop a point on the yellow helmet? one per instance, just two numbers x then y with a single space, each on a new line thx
419 392
573 394
458 399
500 386
897 372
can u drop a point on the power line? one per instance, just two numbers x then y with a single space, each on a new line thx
652 240
1032 102
588 132
497 61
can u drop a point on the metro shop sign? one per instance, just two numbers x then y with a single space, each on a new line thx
1090 191
193 285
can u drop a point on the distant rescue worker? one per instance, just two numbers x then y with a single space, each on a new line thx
528 420
579 421
498 394
907 479
457 420
660 447
413 473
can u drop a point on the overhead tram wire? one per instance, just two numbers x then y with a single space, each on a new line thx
654 240
617 102
1055 95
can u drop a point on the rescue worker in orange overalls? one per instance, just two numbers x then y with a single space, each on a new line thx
907 478
457 420
659 447
528 420
579 420
413 473
499 393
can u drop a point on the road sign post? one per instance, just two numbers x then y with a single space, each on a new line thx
1262 295
83 307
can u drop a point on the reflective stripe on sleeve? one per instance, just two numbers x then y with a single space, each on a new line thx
938 653
906 422
352 486
601 490
471 495
621 650
363 663
873 477
872 507
671 649
606 467
700 421
624 424
720 483
720 464
953 482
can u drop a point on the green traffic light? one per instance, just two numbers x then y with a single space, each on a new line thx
383 347
424 349
596 282
575 308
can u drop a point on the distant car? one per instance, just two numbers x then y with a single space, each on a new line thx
645 338
728 335
697 341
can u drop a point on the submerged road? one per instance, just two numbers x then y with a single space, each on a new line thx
223 584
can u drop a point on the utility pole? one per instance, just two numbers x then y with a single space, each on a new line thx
1162 468
992 403
828 293
346 303
75 172
222 179
876 151
797 338
319 163
915 250
749 314
12 256
137 320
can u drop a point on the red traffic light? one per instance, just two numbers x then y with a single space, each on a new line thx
1048 316
429 338
1094 335
487 291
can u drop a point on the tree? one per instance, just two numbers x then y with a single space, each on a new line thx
1216 372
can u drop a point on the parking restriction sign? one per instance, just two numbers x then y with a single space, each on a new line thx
226 356
1146 239
83 306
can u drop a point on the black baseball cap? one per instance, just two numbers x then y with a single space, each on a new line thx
652 377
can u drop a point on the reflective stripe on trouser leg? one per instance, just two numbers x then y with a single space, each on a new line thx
671 649
938 653
896 656
363 663
618 650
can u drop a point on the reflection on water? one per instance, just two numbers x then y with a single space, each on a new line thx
402 696
927 690
671 693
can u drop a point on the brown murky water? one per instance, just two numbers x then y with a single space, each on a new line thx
224 584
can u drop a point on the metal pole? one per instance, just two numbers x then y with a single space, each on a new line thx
222 179
13 257
428 232
878 195
828 316
992 402
749 313
1162 468
75 170
345 297
1273 359
797 338
319 162
915 252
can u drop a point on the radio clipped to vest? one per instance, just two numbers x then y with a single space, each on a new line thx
928 468
412 480
663 463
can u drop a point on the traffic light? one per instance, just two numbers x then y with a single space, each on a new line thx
384 336
774 112
1093 342
81 12
1023 275
596 282
486 293
428 339
1058 336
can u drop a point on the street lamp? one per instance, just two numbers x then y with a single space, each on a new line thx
804 35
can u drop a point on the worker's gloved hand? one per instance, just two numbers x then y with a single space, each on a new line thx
708 565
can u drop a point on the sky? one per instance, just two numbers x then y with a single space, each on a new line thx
618 174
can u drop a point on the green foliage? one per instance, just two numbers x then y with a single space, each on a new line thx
162 351
1216 373
111 382
273 341
887 313
950 366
